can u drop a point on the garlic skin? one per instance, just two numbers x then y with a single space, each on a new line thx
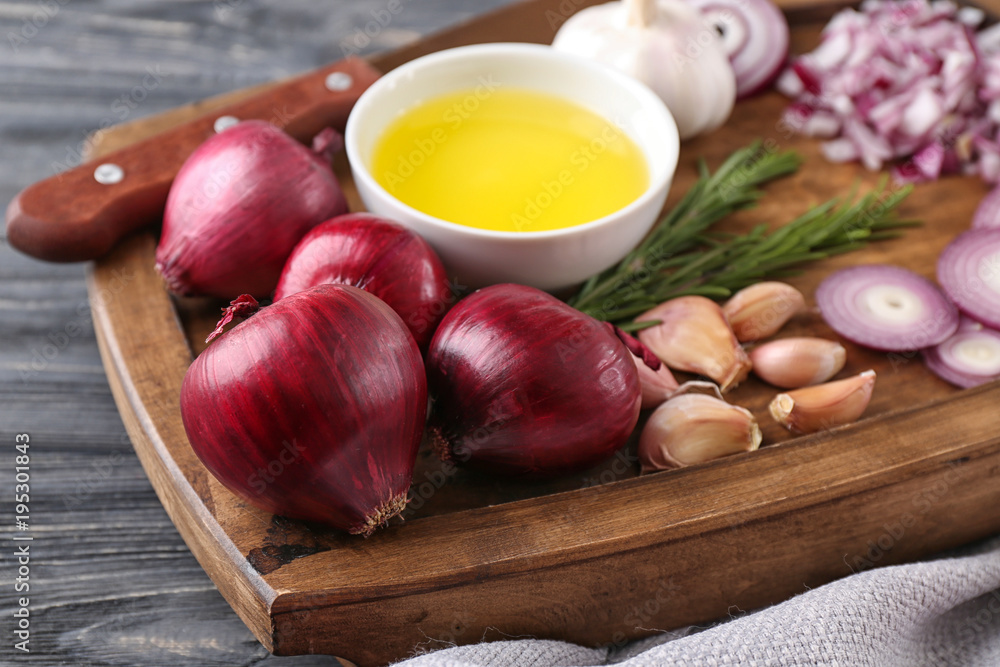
657 386
665 44
694 428
824 406
791 363
760 310
694 336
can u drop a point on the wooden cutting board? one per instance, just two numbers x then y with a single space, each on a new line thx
597 558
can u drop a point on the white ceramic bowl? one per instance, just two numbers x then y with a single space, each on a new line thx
550 260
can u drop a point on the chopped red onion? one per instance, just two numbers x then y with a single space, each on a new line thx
969 272
755 36
886 308
907 79
969 358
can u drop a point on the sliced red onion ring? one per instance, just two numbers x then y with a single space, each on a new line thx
969 358
969 324
886 308
732 27
755 34
987 215
969 273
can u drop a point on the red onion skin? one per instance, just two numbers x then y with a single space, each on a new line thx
380 257
237 208
525 385
312 408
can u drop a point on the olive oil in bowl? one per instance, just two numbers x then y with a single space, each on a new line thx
513 160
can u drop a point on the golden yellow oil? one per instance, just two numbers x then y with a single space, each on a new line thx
509 160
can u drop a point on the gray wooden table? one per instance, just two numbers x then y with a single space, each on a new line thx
111 581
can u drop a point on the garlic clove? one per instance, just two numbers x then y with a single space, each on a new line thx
760 310
694 428
694 336
791 363
657 386
824 406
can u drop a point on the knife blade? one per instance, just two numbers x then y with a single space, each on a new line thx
81 213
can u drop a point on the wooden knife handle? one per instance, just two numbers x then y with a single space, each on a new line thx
81 213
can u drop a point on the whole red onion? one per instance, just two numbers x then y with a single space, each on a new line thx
380 257
523 384
312 408
239 205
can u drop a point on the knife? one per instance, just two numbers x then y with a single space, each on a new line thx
81 213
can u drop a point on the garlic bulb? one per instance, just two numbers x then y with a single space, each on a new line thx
667 45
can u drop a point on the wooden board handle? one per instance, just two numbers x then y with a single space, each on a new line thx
81 213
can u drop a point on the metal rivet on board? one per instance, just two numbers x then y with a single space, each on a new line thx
109 174
224 123
337 81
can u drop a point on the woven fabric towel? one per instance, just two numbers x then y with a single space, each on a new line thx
939 612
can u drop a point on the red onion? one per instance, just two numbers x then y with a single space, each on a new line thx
901 79
380 257
969 358
987 215
312 408
523 384
886 308
239 205
969 273
755 36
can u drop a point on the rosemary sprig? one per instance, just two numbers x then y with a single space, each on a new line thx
682 256
733 186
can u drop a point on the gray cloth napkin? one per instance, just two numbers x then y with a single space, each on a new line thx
938 612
